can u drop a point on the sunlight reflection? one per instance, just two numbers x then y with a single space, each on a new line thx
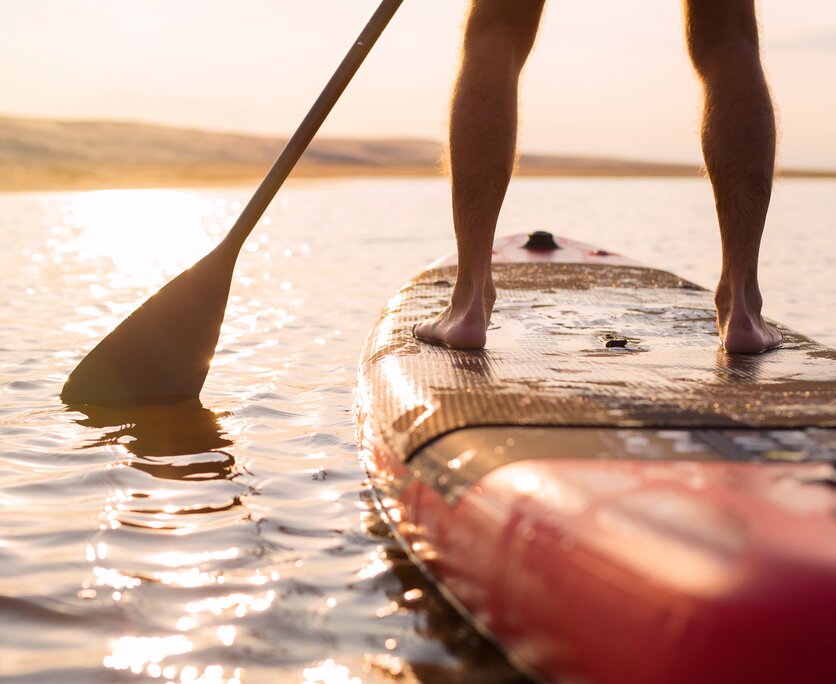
147 234
178 559
330 495
146 654
226 634
528 483
188 578
114 579
329 672
374 566
413 594
391 608
134 653
240 604
258 578
408 392
184 624
389 664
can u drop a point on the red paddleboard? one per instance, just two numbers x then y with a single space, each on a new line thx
603 490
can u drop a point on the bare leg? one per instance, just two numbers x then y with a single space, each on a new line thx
738 137
483 126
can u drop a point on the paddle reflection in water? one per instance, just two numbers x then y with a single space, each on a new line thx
159 434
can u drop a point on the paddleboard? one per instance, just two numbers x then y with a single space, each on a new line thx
603 490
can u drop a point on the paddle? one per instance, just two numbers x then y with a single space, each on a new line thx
162 351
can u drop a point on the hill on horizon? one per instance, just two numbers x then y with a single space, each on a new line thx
56 154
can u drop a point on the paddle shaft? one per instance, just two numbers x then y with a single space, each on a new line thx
300 140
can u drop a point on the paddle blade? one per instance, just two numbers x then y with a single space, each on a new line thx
162 351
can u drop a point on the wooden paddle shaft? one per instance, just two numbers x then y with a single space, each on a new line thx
300 140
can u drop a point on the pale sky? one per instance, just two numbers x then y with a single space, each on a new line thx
607 77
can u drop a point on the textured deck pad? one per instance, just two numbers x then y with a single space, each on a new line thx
545 364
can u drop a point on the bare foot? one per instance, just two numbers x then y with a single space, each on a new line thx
739 321
464 322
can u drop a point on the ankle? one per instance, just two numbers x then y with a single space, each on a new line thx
738 291
473 291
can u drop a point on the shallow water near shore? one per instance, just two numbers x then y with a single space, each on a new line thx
233 539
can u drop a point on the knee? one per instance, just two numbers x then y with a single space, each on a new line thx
721 34
503 25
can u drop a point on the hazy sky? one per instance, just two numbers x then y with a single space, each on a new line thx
608 77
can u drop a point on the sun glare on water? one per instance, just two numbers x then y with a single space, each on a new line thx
149 235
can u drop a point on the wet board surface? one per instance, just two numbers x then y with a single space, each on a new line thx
546 363
582 503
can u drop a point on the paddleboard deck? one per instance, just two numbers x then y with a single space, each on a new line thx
603 480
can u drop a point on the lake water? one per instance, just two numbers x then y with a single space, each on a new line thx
233 539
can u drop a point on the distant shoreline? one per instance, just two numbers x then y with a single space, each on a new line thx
52 155
69 179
